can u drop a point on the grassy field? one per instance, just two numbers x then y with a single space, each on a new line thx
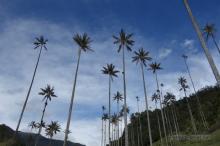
213 141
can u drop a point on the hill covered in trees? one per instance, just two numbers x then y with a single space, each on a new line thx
24 139
210 103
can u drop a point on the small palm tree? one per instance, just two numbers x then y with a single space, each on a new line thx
39 43
48 94
209 30
155 67
83 41
32 125
169 100
52 129
155 98
183 83
105 118
139 120
111 72
103 110
124 41
118 97
142 57
202 115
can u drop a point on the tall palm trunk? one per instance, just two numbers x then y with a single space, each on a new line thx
202 41
28 94
162 114
191 115
137 129
125 99
197 98
102 133
72 99
215 42
146 102
41 121
109 111
118 123
159 128
140 128
174 121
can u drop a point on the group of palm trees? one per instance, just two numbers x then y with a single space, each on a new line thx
125 42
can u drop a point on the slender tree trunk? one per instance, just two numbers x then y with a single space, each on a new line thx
162 114
41 121
71 102
28 94
109 111
118 123
174 121
197 98
140 128
146 102
159 128
105 135
125 100
202 41
216 44
191 115
102 134
137 129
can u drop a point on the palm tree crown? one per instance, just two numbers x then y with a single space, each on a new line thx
33 125
40 42
53 128
169 98
48 93
155 66
209 30
110 70
141 56
118 96
83 41
155 97
105 117
124 40
183 83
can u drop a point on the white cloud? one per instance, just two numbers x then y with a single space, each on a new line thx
164 52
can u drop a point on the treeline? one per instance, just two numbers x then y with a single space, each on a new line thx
210 102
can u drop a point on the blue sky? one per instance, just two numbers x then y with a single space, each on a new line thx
161 27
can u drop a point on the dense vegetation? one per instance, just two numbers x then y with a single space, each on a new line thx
210 101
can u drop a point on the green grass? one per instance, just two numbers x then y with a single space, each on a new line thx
213 141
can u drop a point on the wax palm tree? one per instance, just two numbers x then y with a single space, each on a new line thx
209 30
114 122
124 41
201 113
142 57
155 67
111 72
52 129
183 83
139 121
83 42
169 100
118 97
105 118
40 42
32 125
103 110
48 94
203 43
155 98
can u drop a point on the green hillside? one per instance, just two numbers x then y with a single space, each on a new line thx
210 101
